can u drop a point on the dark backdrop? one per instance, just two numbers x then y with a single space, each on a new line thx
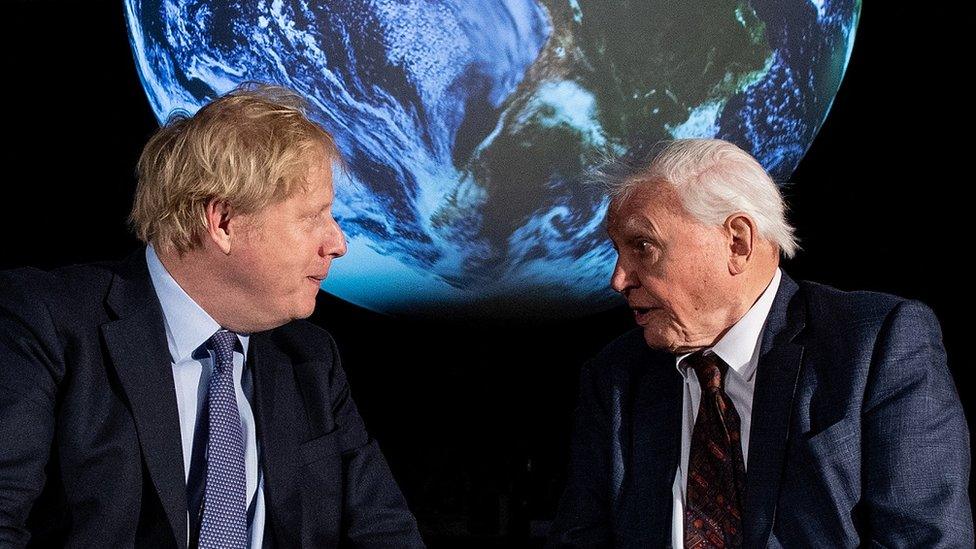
474 417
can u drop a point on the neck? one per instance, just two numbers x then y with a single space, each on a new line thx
751 290
197 271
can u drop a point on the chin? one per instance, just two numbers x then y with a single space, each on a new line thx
297 309
659 339
655 339
305 310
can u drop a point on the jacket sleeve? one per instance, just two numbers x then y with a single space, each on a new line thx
29 371
583 516
916 441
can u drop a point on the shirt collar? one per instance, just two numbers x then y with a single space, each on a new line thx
740 344
188 326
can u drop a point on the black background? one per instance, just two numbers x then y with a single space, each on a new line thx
474 416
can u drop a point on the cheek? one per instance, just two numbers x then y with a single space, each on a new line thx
276 270
681 292
292 248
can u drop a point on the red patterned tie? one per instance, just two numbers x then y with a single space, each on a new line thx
716 471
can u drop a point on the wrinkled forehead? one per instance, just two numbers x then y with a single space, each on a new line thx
640 205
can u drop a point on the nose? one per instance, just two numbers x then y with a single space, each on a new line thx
334 243
623 278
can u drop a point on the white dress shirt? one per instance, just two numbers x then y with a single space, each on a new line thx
739 348
188 327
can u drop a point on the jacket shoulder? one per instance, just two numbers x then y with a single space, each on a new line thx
836 310
628 347
623 360
60 290
305 342
852 334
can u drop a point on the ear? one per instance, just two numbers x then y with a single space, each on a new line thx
742 234
219 214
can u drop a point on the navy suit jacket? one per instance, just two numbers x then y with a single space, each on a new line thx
858 436
90 451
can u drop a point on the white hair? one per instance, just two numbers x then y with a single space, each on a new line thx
713 180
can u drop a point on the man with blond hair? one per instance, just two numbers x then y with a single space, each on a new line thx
749 410
176 399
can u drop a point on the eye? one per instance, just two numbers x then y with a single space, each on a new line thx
643 245
314 217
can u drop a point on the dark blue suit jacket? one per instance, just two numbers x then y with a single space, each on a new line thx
858 436
90 451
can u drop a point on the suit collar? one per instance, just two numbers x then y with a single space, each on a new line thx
780 357
136 343
787 316
273 376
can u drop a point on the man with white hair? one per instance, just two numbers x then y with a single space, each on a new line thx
749 410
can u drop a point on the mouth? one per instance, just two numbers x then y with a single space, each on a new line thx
642 314
317 279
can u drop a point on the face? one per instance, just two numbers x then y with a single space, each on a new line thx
283 252
673 271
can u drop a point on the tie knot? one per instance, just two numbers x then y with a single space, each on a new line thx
223 343
709 368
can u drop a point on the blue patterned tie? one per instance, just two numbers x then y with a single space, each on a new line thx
224 522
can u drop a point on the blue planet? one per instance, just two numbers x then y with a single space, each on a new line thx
470 126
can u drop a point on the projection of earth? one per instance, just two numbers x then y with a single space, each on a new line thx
470 126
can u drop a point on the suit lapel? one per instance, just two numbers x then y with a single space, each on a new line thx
777 374
136 343
272 372
656 445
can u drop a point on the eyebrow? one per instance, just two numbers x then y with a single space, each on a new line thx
314 212
632 229
637 224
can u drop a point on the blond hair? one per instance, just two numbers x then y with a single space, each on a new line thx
250 147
